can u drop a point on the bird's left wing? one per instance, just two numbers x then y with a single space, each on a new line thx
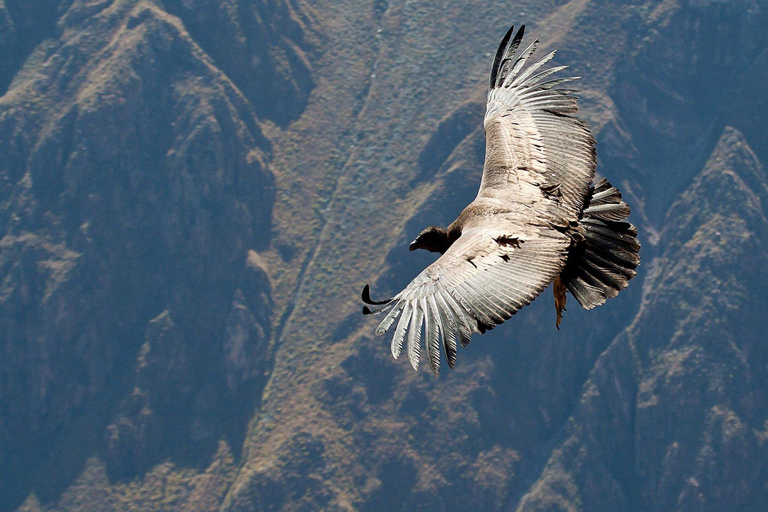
484 278
537 150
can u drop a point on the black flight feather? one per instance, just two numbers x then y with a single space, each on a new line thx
499 55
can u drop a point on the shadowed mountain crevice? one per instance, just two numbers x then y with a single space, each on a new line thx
23 25
450 132
266 48
673 120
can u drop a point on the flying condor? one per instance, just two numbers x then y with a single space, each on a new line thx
537 219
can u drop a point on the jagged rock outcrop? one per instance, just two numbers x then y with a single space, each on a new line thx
158 403
134 184
248 329
673 91
673 415
23 25
7 44
263 46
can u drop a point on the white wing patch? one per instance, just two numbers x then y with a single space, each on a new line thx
480 282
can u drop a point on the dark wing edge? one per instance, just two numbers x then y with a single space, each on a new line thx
506 50
522 97
455 297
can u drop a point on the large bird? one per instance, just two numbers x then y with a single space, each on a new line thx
537 219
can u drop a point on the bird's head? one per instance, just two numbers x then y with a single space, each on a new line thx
432 239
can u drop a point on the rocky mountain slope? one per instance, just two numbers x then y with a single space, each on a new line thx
195 191
673 415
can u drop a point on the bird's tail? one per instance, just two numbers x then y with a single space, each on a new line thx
601 265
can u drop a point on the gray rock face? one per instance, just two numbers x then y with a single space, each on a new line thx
134 183
672 416
23 25
264 47
674 92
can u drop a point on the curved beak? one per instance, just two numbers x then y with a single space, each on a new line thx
412 247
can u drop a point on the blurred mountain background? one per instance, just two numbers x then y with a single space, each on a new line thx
193 193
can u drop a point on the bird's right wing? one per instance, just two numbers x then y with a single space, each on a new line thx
537 150
484 278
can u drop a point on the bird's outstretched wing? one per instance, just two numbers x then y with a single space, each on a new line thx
533 139
484 278
540 161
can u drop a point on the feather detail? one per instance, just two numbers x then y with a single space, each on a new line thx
400 331
432 330
450 329
414 336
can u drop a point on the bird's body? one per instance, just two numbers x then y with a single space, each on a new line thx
537 219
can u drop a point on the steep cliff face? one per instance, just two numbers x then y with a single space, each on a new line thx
673 415
674 91
7 44
23 25
134 186
263 46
